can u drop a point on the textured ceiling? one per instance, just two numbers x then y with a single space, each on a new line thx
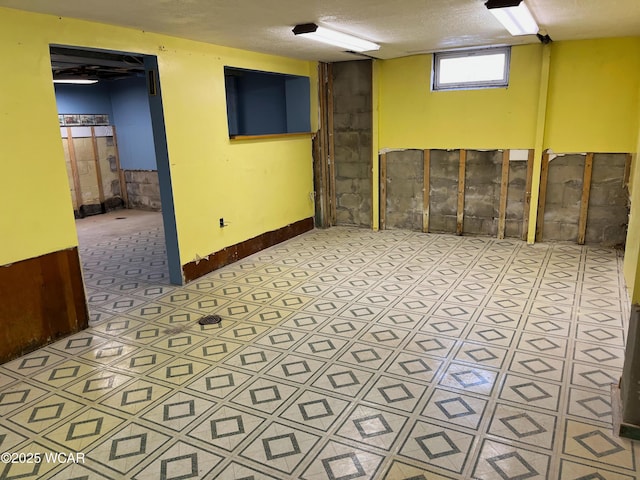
403 27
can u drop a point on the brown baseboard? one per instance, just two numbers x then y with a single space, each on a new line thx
42 299
193 270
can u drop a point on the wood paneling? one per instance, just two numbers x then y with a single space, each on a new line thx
232 254
42 299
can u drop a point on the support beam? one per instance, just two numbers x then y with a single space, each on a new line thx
74 168
426 190
627 171
383 191
504 187
332 155
542 199
375 144
461 176
584 202
123 182
323 149
541 121
96 159
527 195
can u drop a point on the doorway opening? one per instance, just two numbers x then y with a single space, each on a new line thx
113 133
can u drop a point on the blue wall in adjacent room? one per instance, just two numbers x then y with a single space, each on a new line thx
297 92
132 119
94 98
261 106
127 104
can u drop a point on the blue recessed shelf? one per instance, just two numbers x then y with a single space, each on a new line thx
265 104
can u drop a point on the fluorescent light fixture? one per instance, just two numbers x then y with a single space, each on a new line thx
339 39
514 16
76 81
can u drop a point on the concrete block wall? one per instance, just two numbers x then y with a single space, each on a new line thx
608 210
482 192
564 192
143 189
353 141
608 213
405 184
514 218
443 191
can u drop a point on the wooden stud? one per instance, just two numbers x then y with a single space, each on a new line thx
627 171
332 156
584 202
504 187
96 159
123 181
323 190
542 198
74 168
426 190
383 191
461 175
527 195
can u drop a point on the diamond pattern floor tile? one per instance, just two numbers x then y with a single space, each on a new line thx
342 354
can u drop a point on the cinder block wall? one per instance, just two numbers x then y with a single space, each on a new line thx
608 213
353 137
443 190
482 192
608 210
405 181
143 189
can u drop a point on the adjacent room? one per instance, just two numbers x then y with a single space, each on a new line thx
337 241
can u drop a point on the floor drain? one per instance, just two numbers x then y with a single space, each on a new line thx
210 320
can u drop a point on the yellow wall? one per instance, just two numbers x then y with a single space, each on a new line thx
412 116
632 247
593 91
591 106
255 186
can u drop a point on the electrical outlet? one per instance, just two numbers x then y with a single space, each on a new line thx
221 222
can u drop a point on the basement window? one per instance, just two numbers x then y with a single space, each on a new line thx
471 69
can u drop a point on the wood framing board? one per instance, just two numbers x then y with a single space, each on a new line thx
584 202
426 190
504 187
96 158
123 182
322 190
627 171
461 175
527 195
74 168
542 198
332 157
383 190
317 193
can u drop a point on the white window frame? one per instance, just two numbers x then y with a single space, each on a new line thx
436 85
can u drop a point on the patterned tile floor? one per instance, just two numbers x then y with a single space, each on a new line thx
342 354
